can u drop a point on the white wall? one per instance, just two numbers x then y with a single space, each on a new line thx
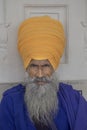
73 15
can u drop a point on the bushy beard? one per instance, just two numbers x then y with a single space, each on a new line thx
41 100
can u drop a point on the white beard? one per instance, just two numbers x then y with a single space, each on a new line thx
42 102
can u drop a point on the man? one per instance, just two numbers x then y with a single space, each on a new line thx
43 103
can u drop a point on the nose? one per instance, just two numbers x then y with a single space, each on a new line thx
40 73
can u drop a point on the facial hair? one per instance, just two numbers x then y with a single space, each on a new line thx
41 100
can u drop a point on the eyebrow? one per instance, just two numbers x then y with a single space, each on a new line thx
32 64
35 64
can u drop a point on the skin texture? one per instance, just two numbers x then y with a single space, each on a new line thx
39 69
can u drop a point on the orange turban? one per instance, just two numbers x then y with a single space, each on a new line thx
41 38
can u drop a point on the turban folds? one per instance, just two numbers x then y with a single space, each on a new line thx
41 38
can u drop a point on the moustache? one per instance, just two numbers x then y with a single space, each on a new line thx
40 79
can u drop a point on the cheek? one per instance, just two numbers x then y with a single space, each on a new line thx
31 73
48 72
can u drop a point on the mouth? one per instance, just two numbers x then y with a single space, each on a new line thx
40 82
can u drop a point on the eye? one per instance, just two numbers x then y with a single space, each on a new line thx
46 65
33 66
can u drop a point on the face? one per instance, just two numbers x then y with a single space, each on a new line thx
39 69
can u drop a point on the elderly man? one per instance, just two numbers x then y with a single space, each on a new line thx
43 103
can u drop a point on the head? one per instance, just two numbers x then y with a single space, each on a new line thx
41 44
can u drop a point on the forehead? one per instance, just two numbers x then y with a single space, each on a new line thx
39 62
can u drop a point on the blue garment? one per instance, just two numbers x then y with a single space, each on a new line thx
72 110
14 116
75 106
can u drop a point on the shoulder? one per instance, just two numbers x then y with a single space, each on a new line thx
14 90
61 84
10 101
66 87
68 90
12 96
